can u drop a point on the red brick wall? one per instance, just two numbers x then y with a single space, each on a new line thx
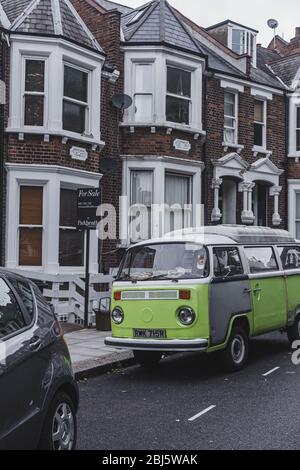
106 29
276 140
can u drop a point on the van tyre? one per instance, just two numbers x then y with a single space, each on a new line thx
147 359
60 427
293 332
236 353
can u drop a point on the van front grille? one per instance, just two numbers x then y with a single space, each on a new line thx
151 295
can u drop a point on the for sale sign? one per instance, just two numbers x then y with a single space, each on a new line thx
88 201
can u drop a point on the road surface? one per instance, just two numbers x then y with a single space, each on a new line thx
189 403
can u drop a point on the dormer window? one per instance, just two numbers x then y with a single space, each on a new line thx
178 96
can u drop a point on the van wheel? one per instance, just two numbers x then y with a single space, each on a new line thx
147 359
60 427
236 353
293 332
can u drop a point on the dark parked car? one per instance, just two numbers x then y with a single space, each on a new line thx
38 393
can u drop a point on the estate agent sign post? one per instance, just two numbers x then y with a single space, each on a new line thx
88 200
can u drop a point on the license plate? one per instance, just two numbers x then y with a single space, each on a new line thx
150 334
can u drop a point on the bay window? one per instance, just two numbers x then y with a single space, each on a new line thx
260 123
230 117
75 100
71 240
143 97
298 129
178 192
34 93
178 104
141 194
30 225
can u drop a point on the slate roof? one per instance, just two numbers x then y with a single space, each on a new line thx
286 68
49 17
157 22
108 5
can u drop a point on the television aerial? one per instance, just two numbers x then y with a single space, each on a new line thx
273 24
121 101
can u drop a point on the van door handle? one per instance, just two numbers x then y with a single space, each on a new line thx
257 290
35 343
247 291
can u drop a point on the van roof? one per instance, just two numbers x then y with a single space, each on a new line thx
224 234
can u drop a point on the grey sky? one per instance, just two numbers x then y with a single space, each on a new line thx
254 13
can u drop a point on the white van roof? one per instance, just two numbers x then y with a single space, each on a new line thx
227 234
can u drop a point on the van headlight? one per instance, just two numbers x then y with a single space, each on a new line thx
186 316
117 315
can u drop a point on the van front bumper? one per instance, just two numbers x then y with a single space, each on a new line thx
176 345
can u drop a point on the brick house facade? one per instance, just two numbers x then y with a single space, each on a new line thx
209 126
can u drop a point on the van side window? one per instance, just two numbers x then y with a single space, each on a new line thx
227 262
261 259
290 257
11 318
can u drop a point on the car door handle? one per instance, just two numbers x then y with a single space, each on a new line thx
35 343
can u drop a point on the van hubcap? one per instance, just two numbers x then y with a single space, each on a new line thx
238 349
63 428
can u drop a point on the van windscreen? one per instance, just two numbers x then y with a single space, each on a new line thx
165 261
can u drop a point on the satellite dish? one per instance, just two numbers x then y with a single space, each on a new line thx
273 24
121 101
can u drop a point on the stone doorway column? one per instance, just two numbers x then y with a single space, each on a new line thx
247 213
216 213
275 192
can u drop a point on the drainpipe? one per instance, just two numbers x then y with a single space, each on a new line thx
2 129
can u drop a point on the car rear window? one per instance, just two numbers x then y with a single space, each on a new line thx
11 317
25 292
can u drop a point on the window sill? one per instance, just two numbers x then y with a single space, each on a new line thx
261 150
167 125
237 147
63 134
294 155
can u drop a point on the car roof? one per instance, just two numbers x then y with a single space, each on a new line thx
226 234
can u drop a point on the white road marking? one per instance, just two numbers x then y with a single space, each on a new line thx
193 418
271 371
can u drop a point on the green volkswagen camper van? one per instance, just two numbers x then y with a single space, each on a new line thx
207 289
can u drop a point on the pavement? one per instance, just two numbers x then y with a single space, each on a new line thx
187 402
90 355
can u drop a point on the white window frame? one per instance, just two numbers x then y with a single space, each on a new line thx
297 128
56 52
25 93
179 97
135 94
235 117
52 178
87 105
188 212
293 190
161 57
264 126
159 168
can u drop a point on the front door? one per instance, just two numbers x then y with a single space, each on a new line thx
267 289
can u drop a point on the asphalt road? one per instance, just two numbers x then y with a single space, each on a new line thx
132 409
